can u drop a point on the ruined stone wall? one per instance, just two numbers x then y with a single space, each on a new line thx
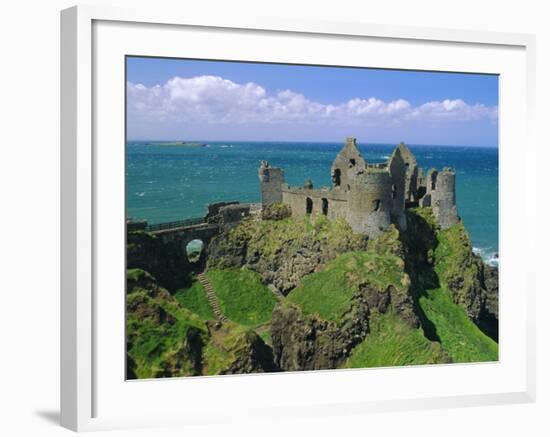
443 199
333 204
271 181
370 203
231 215
398 172
296 201
348 163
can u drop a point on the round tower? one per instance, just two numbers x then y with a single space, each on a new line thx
444 198
370 202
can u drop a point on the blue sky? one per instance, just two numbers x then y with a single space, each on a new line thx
212 100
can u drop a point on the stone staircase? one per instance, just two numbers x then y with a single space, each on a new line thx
211 296
280 296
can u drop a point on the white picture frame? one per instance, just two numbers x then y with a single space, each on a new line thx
86 351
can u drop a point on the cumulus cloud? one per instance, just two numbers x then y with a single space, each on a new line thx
215 100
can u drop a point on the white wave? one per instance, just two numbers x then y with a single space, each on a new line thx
493 260
140 194
488 257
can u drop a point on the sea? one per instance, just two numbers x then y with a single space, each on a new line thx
168 183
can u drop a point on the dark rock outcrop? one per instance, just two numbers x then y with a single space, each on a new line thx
166 261
303 342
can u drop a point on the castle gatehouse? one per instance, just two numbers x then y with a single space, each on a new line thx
369 196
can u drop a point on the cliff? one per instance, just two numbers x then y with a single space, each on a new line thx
283 251
304 294
166 339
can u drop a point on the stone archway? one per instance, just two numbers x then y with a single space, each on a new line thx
194 250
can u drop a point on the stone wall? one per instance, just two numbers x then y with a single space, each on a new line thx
302 201
443 199
370 203
347 165
271 181
368 195
398 172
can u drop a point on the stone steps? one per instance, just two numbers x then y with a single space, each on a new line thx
211 297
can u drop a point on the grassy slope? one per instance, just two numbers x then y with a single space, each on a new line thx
328 293
460 337
154 344
158 345
393 343
221 352
194 299
243 298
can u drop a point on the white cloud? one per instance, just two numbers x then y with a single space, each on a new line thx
214 100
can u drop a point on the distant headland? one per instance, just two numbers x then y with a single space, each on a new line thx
179 144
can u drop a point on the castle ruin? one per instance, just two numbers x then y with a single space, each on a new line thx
369 196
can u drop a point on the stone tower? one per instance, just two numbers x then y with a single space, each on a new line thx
398 172
411 173
271 181
370 202
347 165
443 197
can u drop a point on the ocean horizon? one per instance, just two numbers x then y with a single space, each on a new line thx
167 183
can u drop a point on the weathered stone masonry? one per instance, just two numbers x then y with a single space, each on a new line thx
369 196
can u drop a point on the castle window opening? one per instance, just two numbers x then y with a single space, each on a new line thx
376 204
421 192
309 205
352 162
325 206
434 179
337 177
393 191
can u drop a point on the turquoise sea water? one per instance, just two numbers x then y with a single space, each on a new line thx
166 183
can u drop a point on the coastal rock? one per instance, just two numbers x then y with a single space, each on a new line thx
488 318
444 257
166 261
303 342
153 313
234 349
283 251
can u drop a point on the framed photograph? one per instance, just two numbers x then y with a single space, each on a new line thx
279 218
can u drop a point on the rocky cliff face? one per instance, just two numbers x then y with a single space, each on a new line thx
283 251
303 342
321 321
166 261
332 285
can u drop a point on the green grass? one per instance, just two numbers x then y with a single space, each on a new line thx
459 336
243 298
268 236
194 299
154 344
391 342
135 274
328 293
220 354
